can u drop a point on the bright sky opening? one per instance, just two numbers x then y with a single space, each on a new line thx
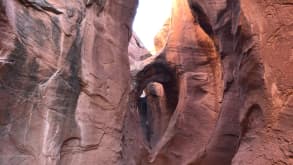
150 18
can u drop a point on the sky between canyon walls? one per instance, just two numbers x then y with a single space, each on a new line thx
150 17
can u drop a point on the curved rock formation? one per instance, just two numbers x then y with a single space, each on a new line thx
255 95
231 91
189 71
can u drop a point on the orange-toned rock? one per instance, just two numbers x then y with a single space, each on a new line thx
162 37
77 87
225 71
189 70
253 43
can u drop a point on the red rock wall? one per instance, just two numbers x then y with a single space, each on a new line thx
226 66
253 40
218 92
64 80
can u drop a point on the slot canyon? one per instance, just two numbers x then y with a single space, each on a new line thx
77 86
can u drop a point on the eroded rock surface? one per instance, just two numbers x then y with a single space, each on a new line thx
231 94
77 87
138 54
64 80
189 71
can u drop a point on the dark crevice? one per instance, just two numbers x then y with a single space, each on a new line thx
150 105
202 19
222 12
145 117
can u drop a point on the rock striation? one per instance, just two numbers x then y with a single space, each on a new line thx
64 80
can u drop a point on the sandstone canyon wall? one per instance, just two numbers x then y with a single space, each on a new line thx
64 80
219 91
223 87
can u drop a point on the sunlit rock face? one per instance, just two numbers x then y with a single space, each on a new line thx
224 74
161 38
64 80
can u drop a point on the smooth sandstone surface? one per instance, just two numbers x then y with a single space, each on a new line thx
78 88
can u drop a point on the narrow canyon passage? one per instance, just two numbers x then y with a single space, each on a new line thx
223 109
77 86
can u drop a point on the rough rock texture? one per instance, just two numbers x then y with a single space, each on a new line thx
254 39
219 91
137 54
64 80
226 75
